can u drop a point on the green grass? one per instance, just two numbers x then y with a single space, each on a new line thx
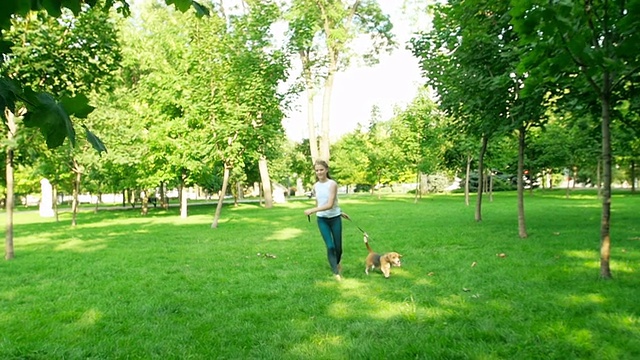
123 286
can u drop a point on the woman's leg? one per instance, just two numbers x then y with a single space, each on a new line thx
336 232
325 227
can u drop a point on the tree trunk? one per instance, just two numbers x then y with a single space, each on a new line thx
466 181
145 203
235 193
418 189
131 195
311 121
483 150
164 201
225 182
334 47
549 179
183 196
599 176
426 184
326 108
266 182
8 245
568 183
491 186
633 176
95 209
522 228
240 191
12 128
54 190
76 192
605 235
485 183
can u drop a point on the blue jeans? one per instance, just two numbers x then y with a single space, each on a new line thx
331 231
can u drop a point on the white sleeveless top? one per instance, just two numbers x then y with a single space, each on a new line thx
322 196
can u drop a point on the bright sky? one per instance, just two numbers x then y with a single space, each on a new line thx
393 82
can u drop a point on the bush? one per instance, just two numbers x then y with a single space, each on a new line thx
362 188
501 182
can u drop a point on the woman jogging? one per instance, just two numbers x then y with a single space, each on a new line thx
328 215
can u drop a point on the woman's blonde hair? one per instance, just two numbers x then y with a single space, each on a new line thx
324 164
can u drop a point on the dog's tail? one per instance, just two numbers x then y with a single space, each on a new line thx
366 242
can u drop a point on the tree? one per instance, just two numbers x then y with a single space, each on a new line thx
592 40
41 110
417 132
169 141
321 33
468 60
350 160
81 63
232 95
66 63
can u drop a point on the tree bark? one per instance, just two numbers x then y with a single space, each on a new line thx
76 192
333 50
54 189
326 108
633 176
266 182
483 150
466 181
418 186
490 185
599 177
225 182
522 228
605 235
568 189
12 128
145 203
164 201
95 209
183 196
311 122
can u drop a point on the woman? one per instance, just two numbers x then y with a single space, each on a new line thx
328 215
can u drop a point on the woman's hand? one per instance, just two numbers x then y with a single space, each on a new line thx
308 212
345 216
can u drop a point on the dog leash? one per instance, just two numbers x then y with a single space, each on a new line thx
359 228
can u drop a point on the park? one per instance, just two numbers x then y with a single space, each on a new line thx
120 285
160 160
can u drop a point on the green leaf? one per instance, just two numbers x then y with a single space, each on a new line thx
8 92
10 7
5 46
50 117
73 5
200 9
182 5
95 141
52 7
77 106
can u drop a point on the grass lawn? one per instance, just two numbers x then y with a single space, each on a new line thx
123 286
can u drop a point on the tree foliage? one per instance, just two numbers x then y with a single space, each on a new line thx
594 41
321 34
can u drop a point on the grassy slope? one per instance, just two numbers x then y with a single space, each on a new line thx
124 286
